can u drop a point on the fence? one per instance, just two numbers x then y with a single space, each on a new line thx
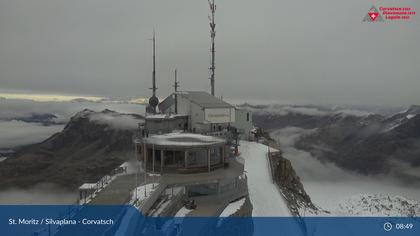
85 198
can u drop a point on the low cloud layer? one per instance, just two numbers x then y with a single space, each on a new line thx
311 110
44 193
117 121
18 133
329 185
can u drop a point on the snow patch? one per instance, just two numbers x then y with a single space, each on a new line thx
232 208
410 116
183 212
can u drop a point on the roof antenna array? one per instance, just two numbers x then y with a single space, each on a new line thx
212 35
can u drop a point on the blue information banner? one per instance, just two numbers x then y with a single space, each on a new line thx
124 220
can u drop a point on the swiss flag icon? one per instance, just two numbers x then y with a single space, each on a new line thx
373 15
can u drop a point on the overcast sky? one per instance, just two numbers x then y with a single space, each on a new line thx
290 51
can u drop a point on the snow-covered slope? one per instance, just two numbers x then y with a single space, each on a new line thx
263 193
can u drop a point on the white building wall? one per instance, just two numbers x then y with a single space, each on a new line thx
197 119
183 106
243 122
205 120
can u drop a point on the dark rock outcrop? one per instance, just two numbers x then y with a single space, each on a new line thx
292 189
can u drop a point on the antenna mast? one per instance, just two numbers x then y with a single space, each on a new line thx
153 101
154 65
212 35
176 86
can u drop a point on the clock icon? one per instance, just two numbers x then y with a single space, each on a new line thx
387 226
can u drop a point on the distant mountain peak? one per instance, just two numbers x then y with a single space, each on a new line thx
413 110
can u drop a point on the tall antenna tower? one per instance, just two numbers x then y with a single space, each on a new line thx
213 36
154 64
176 86
153 101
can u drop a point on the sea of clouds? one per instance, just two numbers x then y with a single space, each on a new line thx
329 185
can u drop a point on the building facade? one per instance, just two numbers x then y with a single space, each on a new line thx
207 114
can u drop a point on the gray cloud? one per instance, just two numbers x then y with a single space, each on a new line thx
117 121
18 133
318 52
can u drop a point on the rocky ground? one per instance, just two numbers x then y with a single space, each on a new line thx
292 189
288 181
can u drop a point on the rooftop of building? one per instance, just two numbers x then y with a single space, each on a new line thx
164 116
201 98
179 139
204 99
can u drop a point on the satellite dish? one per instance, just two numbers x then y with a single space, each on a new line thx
153 101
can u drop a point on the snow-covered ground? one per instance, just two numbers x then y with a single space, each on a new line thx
182 212
232 208
132 167
263 193
329 186
379 205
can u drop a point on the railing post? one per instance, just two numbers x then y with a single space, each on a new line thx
185 158
153 159
162 161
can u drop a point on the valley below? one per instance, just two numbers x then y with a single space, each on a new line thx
350 162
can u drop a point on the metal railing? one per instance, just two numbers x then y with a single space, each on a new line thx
101 184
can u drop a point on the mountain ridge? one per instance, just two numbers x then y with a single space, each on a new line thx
85 150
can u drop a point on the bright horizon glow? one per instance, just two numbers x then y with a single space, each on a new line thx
47 97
